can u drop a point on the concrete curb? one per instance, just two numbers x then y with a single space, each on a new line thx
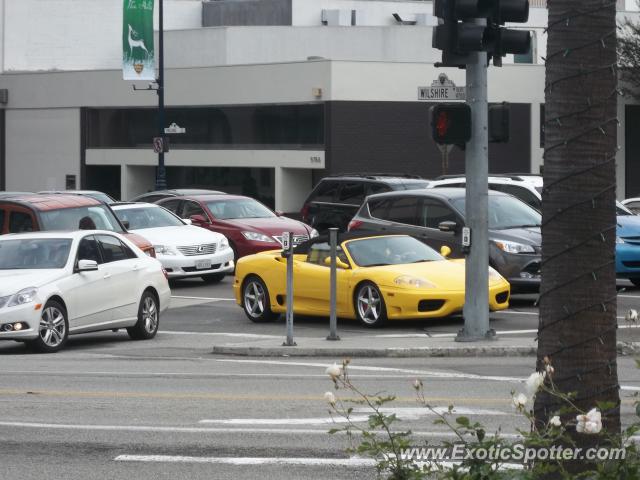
624 348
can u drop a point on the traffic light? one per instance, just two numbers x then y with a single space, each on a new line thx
458 35
451 123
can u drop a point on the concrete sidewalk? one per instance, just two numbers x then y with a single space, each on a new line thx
380 346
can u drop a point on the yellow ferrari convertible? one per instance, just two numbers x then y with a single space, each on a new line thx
380 278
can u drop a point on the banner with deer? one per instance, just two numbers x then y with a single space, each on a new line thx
138 59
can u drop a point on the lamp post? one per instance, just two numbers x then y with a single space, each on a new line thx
161 175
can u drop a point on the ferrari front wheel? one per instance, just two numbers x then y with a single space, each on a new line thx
256 302
369 305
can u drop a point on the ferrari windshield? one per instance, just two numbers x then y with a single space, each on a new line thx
379 251
27 254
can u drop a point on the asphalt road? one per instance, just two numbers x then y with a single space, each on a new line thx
110 408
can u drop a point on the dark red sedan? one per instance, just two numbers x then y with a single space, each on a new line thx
250 226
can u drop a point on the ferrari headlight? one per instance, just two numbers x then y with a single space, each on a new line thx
164 250
411 281
26 295
224 243
258 237
513 247
494 275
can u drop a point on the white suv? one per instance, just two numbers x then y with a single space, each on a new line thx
525 187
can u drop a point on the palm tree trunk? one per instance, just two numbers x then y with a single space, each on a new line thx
577 328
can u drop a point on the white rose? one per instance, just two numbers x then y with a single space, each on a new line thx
555 421
330 398
519 401
590 423
534 382
334 371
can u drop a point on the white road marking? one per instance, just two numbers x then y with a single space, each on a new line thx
209 299
503 312
424 373
309 462
401 413
206 430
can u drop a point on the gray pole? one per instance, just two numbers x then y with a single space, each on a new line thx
161 178
333 285
289 315
476 306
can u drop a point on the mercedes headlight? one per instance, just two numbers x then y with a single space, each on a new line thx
411 281
164 250
514 247
26 295
258 237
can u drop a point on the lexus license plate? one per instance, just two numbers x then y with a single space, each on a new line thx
203 264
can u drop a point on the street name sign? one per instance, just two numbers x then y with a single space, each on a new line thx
442 90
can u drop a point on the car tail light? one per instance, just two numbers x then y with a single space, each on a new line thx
305 211
354 225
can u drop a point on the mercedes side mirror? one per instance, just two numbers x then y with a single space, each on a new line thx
87 266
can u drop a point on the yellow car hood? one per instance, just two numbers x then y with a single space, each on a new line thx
444 274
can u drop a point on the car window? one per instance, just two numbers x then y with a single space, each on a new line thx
150 198
403 210
140 218
520 193
113 250
81 218
450 185
239 208
20 222
192 208
326 192
379 208
88 249
432 213
320 251
352 193
633 206
172 205
34 253
374 188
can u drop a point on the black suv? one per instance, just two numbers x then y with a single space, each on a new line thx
336 199
436 217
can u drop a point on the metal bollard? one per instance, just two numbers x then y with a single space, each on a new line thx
333 285
287 252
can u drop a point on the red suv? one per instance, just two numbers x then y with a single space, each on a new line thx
248 224
32 212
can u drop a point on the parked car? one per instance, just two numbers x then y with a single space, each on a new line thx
335 200
152 197
627 244
53 284
184 250
103 197
527 188
249 226
436 216
33 212
380 278
632 204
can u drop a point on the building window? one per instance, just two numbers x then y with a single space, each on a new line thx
251 127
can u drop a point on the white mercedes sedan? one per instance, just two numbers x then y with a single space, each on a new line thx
184 250
53 284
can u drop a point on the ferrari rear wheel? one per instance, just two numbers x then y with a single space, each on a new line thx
370 308
256 302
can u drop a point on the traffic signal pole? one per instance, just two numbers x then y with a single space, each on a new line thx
476 305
